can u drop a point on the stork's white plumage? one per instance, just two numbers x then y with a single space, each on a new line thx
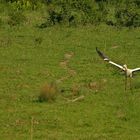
136 69
128 72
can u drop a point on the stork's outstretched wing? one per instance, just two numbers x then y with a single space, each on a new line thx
117 65
136 69
103 56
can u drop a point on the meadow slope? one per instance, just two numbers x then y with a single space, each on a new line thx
30 57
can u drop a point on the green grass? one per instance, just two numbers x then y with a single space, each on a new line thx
29 57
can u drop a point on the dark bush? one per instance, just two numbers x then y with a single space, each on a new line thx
128 15
74 12
81 12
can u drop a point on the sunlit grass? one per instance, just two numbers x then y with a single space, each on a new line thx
26 63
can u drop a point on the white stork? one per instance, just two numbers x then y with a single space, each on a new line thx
128 72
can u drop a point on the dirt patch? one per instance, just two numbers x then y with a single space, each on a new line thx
65 65
97 85
68 55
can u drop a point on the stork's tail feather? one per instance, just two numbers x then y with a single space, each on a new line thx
103 56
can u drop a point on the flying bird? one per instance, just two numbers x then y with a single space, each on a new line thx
128 72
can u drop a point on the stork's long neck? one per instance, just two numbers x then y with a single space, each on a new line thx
125 68
126 71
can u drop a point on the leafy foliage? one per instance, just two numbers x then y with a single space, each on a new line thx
128 15
73 12
24 4
121 13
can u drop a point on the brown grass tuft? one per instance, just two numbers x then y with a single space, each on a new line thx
97 85
48 93
75 90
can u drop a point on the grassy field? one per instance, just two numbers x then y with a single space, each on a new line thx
30 57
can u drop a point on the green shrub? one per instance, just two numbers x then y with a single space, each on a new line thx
72 12
75 12
24 4
81 12
128 15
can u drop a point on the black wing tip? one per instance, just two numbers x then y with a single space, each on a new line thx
99 52
105 58
97 49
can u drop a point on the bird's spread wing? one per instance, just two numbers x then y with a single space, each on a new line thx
103 56
117 65
136 69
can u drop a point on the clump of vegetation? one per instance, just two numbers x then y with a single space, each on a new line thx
128 15
24 4
81 12
123 13
70 12
48 93
16 18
